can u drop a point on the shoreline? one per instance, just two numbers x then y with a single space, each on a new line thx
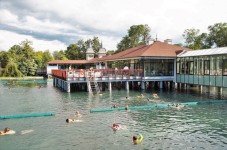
21 78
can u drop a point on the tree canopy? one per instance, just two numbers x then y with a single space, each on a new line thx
137 35
216 37
22 60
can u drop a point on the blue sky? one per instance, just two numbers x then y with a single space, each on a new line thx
54 24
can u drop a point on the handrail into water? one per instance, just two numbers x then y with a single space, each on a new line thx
158 106
28 115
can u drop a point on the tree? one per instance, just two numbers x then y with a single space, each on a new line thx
46 57
195 40
137 35
73 52
4 59
110 52
39 59
11 70
218 35
96 45
59 55
77 51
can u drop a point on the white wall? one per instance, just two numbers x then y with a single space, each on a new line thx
49 68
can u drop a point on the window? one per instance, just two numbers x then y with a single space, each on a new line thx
200 67
191 67
206 67
178 67
224 67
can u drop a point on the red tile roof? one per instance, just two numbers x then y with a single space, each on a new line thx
157 49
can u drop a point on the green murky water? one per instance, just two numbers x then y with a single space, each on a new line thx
195 127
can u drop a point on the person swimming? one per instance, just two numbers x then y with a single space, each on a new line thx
177 106
7 131
114 106
126 107
137 139
68 120
78 114
155 95
116 126
141 96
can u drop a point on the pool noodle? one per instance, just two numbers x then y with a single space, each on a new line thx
27 115
158 106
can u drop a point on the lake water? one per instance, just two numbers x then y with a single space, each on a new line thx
193 127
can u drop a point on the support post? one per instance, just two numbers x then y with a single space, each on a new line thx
127 85
161 84
142 85
110 86
68 87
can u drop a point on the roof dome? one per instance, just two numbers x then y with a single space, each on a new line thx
90 50
102 50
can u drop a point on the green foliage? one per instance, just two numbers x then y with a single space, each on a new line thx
194 40
59 55
21 60
137 35
4 58
218 35
11 70
78 50
110 52
73 52
47 57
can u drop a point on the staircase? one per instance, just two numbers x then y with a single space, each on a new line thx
93 86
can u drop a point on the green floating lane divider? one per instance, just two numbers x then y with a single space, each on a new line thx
27 115
158 106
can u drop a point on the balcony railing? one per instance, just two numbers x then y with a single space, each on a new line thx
98 74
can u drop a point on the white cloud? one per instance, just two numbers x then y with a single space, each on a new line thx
8 39
110 20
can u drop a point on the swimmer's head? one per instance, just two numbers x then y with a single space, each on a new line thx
134 138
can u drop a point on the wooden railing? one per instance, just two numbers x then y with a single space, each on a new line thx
97 74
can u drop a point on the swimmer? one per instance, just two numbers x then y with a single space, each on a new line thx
126 98
114 106
73 120
78 114
7 131
141 96
126 107
155 95
115 127
137 140
177 106
70 120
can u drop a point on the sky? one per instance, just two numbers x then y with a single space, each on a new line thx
54 24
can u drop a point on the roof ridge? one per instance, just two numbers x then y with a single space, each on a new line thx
136 48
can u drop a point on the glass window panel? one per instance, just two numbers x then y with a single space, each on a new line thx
191 69
225 67
206 67
219 67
